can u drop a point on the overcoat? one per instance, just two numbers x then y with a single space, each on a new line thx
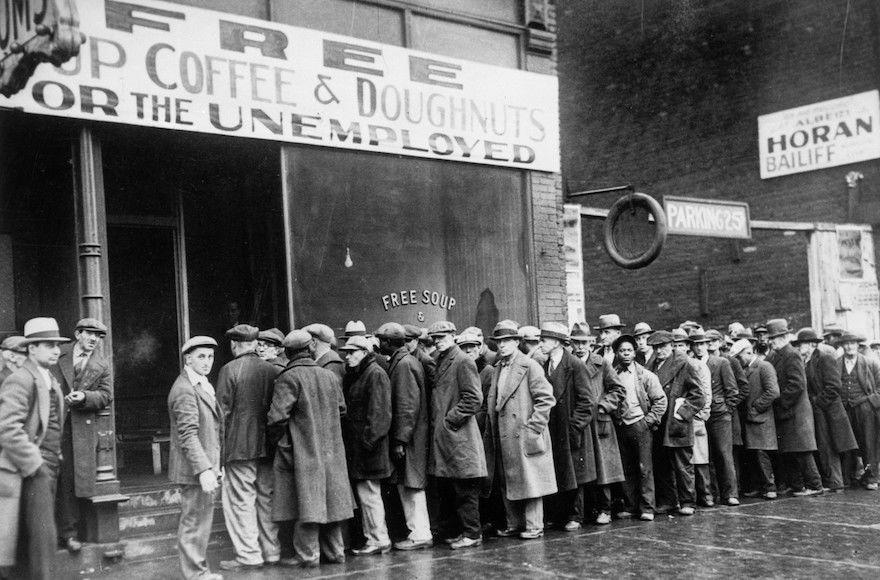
311 477
759 422
331 361
486 371
95 383
244 391
573 456
794 414
365 427
196 432
606 392
725 393
823 386
456 445
679 381
24 413
409 421
742 385
518 438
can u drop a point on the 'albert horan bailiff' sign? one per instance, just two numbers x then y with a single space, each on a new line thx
826 134
707 217
165 65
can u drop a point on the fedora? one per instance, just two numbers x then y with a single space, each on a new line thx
609 321
580 331
641 328
555 330
776 327
848 336
42 329
506 329
806 335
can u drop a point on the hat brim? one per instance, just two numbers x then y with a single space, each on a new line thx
507 336
352 348
775 334
28 341
102 331
610 326
554 335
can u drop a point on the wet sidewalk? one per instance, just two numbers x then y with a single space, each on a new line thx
830 536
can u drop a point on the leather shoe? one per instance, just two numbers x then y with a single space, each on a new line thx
647 517
73 545
603 518
770 495
507 532
407 545
732 501
372 549
572 526
295 562
450 541
871 486
531 534
236 566
466 542
686 510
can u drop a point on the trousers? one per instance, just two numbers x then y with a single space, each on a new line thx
247 509
460 506
310 540
415 510
635 442
761 469
801 470
720 430
369 494
829 460
866 427
37 532
194 530
674 475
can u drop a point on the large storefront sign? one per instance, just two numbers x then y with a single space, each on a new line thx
826 134
165 65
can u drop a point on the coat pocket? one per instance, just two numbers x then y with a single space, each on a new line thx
533 443
678 429
604 426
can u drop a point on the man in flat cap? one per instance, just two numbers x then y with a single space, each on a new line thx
486 353
409 434
270 347
517 440
311 480
84 376
366 426
321 349
31 424
244 392
794 414
834 435
569 418
860 377
457 458
610 328
14 353
415 348
641 332
195 454
673 448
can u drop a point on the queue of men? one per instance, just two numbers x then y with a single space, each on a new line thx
428 435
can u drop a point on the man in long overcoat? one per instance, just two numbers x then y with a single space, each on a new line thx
195 454
311 477
322 350
84 375
409 434
244 392
573 457
456 456
31 423
366 426
759 423
520 400
794 414
834 435
638 415
673 449
860 378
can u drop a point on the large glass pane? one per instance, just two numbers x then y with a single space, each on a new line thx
506 10
464 41
374 233
346 17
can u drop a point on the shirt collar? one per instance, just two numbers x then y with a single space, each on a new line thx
556 357
194 377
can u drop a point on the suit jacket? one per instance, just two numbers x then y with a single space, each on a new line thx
81 435
196 432
24 413
244 392
794 414
725 393
679 381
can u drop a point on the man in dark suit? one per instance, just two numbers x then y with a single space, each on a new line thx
195 453
673 448
31 423
860 377
84 376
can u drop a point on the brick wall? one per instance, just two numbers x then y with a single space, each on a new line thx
667 98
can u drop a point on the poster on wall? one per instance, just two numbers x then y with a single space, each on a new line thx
164 65
821 135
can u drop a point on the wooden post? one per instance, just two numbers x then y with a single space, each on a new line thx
101 517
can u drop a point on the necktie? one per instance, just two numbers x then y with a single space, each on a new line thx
552 367
80 364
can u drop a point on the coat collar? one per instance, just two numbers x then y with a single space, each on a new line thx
594 364
445 359
397 356
43 391
557 379
517 366
211 402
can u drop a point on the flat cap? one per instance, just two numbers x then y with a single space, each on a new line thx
738 346
475 330
198 342
555 330
506 329
622 339
14 343
441 327
412 331
660 337
273 335
92 324
243 333
355 328
468 338
689 324
391 331
358 342
297 339
528 332
609 321
679 335
321 331
641 328
697 335
580 331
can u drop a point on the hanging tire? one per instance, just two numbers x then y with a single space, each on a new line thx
623 204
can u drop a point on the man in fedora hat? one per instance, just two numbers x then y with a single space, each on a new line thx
270 347
321 349
31 427
834 435
519 404
831 339
312 489
860 377
572 448
529 344
641 332
794 414
582 340
640 413
195 454
244 392
13 353
610 328
84 376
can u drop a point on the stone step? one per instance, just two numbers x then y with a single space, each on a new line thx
148 499
155 546
156 521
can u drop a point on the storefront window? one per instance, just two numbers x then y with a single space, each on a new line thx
346 17
380 238
465 41
505 10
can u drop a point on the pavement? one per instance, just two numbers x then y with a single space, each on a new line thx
829 536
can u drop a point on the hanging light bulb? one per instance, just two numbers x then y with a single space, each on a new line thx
348 262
